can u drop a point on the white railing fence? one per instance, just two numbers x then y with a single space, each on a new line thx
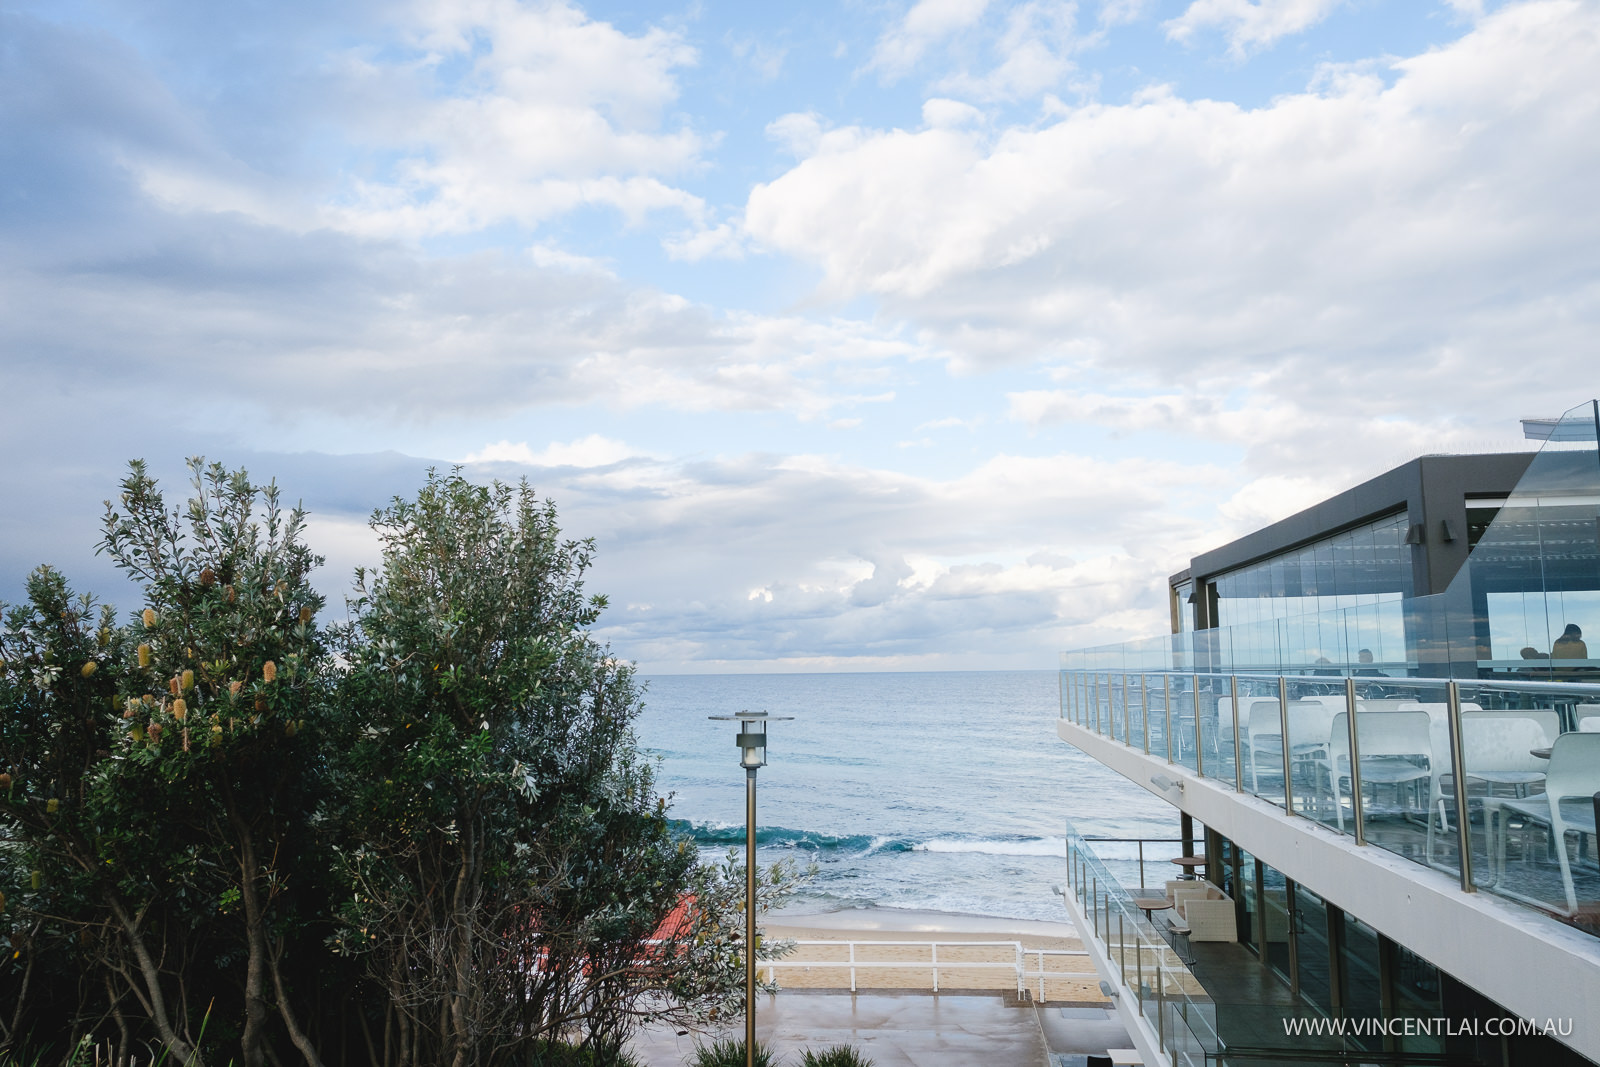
855 961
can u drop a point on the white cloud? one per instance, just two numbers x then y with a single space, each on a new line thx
494 111
1033 49
1417 249
928 23
591 451
1249 24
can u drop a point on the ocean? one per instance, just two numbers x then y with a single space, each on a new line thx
946 791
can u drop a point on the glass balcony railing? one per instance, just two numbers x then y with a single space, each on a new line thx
1495 780
1169 996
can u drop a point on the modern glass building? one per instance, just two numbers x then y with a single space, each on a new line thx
1379 722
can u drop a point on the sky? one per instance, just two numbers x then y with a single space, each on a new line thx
859 335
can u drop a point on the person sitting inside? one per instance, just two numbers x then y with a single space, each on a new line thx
1570 644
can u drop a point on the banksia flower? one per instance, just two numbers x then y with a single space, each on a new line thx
186 739
149 617
216 736
104 637
290 728
137 732
269 671
208 577
89 668
2 902
305 614
37 879
187 682
155 733
5 782
234 687
144 655
180 710
261 702
52 805
130 709
147 699
172 685
228 591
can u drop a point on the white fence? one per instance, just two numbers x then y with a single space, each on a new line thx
1016 963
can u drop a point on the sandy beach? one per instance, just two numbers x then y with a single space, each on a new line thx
896 949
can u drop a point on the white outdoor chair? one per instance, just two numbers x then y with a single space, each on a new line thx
1498 749
1571 781
1396 748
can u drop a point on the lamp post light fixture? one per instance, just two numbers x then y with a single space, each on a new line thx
752 742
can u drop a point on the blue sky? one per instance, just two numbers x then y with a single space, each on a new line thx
866 335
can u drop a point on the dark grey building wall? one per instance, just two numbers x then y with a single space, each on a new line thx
1432 490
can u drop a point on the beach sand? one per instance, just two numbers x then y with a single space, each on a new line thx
909 940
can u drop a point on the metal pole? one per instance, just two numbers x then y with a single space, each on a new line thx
750 918
1238 753
1458 773
1144 704
1166 700
1199 736
1356 808
1127 713
1283 725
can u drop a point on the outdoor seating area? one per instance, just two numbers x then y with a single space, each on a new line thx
1201 911
1527 754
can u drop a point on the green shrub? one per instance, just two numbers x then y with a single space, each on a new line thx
560 1054
729 1053
837 1056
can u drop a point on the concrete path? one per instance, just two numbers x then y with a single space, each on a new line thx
892 1029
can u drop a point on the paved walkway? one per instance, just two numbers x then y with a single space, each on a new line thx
892 1029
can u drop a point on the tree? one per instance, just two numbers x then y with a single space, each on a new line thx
164 772
219 836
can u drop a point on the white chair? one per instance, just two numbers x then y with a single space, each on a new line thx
1498 749
1571 781
1263 732
1397 748
1589 726
1587 713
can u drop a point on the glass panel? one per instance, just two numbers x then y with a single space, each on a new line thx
1249 896
1216 728
1311 949
1404 747
1274 900
1261 734
1415 985
1362 995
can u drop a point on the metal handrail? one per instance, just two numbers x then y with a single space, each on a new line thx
1453 714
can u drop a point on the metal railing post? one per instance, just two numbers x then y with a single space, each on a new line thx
1357 808
1144 705
935 947
1199 735
1458 773
852 966
1166 700
1238 753
1127 714
1283 725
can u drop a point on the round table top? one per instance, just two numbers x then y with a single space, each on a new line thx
1151 903
1189 861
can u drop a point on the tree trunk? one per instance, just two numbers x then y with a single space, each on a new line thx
178 1048
255 975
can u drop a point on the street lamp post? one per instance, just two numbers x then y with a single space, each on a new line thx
752 742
